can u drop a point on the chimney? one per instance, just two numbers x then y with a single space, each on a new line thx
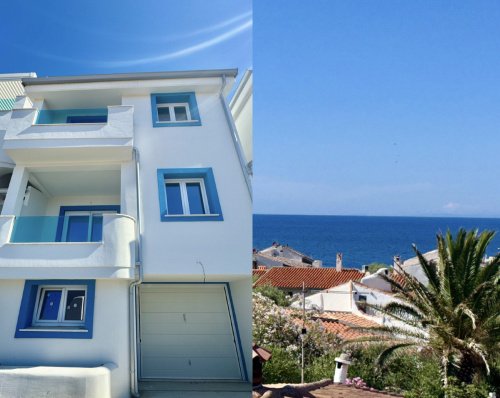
339 262
341 365
396 263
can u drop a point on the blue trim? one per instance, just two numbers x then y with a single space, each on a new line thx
170 98
64 209
28 307
208 178
237 331
230 308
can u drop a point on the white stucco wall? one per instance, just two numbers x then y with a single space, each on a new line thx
109 343
54 204
169 248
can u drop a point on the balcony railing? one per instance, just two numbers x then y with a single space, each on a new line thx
63 116
43 229
101 134
67 247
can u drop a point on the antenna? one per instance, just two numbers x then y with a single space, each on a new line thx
203 269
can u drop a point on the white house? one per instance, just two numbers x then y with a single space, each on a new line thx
125 236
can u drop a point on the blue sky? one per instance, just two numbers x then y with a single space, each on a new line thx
361 107
83 37
377 107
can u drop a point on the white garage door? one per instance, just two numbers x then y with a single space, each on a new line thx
187 333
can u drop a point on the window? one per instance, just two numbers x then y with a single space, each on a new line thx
362 302
60 306
82 223
188 195
57 309
175 109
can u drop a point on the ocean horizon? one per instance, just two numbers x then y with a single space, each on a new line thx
362 239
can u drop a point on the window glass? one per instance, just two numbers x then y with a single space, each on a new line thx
180 113
96 234
77 229
174 198
49 308
164 114
75 301
87 119
195 198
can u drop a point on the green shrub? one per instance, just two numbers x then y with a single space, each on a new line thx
322 367
278 296
457 389
283 367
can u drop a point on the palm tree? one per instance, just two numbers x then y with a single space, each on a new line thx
456 314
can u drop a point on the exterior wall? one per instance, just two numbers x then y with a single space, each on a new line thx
174 248
54 204
172 251
109 343
377 281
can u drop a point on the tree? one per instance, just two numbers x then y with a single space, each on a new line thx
456 314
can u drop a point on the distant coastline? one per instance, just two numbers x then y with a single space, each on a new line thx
362 239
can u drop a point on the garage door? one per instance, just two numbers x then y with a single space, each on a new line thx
187 333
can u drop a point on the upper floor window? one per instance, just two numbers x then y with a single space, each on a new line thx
175 109
188 195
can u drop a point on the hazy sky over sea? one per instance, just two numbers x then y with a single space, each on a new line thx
377 107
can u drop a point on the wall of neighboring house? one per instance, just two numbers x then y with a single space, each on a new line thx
242 110
110 340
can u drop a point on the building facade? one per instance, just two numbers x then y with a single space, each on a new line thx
125 234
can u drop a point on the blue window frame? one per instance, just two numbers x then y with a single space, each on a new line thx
188 195
175 110
56 309
82 223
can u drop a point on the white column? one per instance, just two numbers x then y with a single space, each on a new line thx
15 194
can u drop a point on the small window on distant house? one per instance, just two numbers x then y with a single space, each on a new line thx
175 109
57 309
362 302
188 195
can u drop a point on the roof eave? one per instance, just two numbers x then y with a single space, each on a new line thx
130 76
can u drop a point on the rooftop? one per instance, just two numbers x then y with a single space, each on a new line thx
314 278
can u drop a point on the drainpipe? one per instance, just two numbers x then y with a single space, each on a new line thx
133 307
234 137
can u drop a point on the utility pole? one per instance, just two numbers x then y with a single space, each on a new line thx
303 329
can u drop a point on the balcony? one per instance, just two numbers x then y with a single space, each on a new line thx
60 135
45 247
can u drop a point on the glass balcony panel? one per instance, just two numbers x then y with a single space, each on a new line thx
46 229
63 116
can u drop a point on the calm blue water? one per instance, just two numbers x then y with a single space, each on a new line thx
363 240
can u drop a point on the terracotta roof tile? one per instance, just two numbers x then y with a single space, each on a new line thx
314 278
347 318
343 324
259 272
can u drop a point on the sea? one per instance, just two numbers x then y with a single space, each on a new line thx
362 239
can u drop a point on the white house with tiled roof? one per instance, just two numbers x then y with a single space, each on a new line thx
115 270
279 255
